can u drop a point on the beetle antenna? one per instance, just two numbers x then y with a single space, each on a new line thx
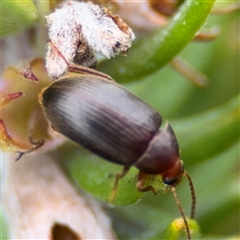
182 212
193 194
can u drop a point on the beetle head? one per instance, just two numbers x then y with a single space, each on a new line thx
162 157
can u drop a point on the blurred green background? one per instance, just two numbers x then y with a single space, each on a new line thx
206 123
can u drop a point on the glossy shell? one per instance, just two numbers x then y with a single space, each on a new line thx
101 116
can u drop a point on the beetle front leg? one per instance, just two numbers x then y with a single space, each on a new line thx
140 184
118 176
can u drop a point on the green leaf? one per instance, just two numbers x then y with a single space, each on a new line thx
176 230
3 227
17 15
153 52
97 177
204 135
217 187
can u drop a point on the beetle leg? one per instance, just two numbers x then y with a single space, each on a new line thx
118 176
140 184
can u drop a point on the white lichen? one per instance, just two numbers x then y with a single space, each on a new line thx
78 31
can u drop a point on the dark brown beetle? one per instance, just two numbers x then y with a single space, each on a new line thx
94 111
111 122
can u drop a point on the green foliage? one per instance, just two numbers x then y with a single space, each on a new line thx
151 53
22 14
176 230
100 182
3 227
205 120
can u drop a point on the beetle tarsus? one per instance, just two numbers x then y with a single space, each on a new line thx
118 176
140 184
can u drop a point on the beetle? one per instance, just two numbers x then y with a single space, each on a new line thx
91 109
111 122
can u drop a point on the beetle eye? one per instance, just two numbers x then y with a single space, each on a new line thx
170 181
